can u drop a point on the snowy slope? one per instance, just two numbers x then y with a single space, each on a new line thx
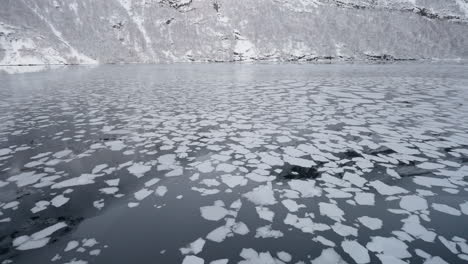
131 31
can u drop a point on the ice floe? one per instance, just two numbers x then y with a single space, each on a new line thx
38 239
356 251
213 213
261 195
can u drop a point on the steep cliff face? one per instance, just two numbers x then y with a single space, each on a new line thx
147 31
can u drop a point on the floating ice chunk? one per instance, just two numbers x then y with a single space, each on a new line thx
393 173
233 181
331 210
423 254
267 232
71 245
328 256
99 168
337 193
195 247
151 182
12 204
370 222
62 154
193 260
450 190
364 198
38 239
26 178
354 179
284 256
75 261
210 182
240 228
95 252
464 207
213 213
114 182
90 242
293 152
413 203
205 167
344 230
259 178
40 205
306 188
400 148
236 205
226 167
291 205
364 163
430 166
83 179
252 257
139 169
452 246
175 172
5 151
41 155
413 227
219 234
161 190
220 157
109 190
265 213
283 139
304 224
261 195
99 204
205 192
115 145
220 261
131 205
32 164
167 159
432 181
142 194
59 200
33 244
356 251
3 183
435 260
386 259
271 160
385 189
324 241
299 162
446 209
389 246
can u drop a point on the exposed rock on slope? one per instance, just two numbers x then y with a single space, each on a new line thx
128 31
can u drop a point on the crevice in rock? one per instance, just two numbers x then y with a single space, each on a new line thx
118 25
216 6
169 21
386 57
424 12
179 5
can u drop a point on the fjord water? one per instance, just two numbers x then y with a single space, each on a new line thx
131 163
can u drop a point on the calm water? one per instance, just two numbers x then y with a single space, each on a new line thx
131 164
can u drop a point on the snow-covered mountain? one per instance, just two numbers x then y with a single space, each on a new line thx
147 31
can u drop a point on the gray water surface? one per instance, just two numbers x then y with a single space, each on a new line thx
131 164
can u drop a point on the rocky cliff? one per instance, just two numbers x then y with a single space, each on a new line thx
152 31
